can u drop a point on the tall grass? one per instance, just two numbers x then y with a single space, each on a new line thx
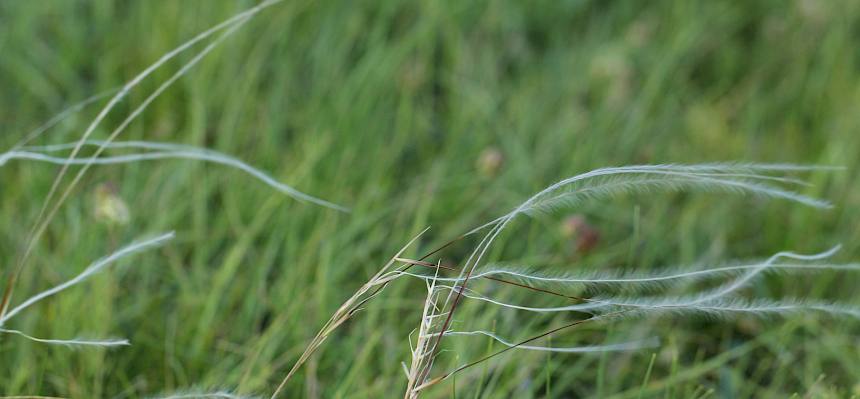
570 317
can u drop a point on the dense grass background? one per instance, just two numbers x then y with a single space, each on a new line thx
385 107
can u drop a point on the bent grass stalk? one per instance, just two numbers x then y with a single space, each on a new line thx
344 313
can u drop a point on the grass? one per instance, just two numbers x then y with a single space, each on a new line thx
384 107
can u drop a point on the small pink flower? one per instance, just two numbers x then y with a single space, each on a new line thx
490 162
585 235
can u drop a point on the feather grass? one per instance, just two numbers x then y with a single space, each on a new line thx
47 213
421 356
637 281
616 347
203 395
754 179
75 342
351 306
90 271
163 151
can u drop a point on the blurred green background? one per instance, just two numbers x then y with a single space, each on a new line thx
390 107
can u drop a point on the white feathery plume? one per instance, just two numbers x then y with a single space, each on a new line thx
711 176
165 151
616 347
90 271
93 269
75 342
753 179
204 395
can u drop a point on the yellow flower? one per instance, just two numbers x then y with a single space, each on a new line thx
109 206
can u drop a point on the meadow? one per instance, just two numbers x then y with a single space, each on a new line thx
424 115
